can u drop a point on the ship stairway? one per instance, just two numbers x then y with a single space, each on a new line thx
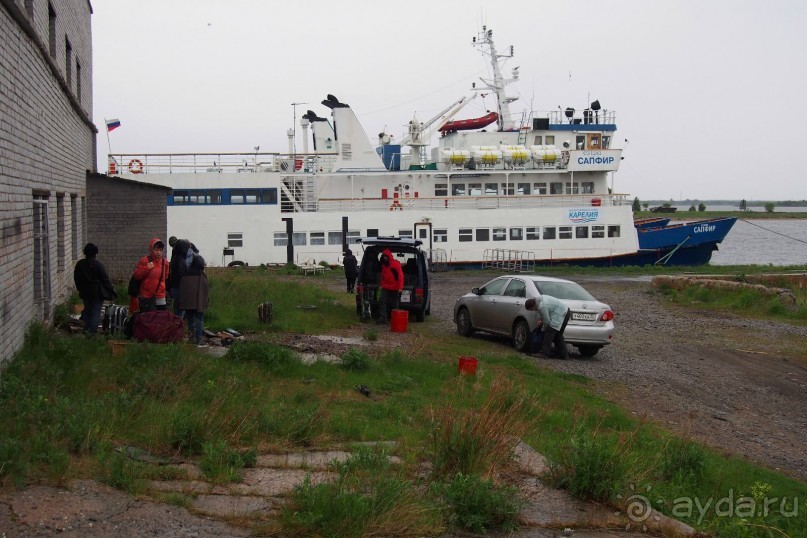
438 261
526 119
298 194
515 261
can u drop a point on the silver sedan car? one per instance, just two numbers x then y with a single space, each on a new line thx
498 308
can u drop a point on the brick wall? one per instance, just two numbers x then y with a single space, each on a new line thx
47 145
122 218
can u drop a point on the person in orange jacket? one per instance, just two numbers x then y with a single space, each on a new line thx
391 285
152 273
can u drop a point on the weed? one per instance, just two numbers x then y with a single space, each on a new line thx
276 359
355 359
220 463
370 334
478 505
122 473
683 460
186 431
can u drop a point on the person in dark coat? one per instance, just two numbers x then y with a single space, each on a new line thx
94 287
182 251
351 270
193 296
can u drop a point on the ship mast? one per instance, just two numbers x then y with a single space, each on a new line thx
485 42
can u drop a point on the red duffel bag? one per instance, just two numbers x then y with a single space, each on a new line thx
158 326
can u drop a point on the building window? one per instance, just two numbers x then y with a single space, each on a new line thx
440 236
75 243
499 234
440 189
281 239
52 30
539 188
549 232
41 256
68 62
458 189
597 232
317 238
564 232
533 233
613 231
581 232
61 235
466 235
482 234
235 239
516 234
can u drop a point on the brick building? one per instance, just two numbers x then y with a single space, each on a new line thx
47 147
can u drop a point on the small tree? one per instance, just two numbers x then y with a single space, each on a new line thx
743 205
692 208
701 207
769 207
637 205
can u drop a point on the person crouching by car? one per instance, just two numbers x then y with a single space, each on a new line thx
94 287
554 316
152 273
391 285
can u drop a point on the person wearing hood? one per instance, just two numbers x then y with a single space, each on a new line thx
554 316
182 251
391 285
152 272
351 269
94 287
193 296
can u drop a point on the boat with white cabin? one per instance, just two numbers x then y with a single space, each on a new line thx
533 189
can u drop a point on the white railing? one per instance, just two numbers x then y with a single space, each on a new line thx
470 202
223 163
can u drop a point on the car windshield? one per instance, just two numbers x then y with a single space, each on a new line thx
563 290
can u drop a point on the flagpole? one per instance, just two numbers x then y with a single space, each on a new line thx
108 145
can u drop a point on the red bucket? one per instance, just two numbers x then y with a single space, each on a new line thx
467 365
399 321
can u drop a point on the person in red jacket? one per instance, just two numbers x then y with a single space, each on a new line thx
391 285
152 273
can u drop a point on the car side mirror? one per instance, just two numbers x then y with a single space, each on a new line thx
476 291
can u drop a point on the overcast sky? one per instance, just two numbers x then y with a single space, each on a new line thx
711 95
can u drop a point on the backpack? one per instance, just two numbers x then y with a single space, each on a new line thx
158 326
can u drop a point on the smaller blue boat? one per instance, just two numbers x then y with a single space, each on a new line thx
689 243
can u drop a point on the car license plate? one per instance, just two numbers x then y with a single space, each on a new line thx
405 296
584 316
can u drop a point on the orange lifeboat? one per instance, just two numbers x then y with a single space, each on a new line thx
473 123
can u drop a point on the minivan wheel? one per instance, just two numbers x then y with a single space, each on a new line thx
522 337
589 350
420 315
464 327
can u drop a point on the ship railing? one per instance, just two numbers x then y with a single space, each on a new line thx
516 261
471 202
438 259
221 163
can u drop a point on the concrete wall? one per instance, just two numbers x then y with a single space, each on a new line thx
122 218
47 146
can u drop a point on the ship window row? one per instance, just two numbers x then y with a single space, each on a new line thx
511 189
223 197
530 233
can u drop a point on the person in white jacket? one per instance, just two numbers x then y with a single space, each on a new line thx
554 317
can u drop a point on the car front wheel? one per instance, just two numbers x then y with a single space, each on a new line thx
522 337
588 351
464 327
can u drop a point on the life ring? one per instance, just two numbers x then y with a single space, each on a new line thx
396 205
136 166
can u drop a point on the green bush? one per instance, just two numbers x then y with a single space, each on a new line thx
683 460
592 467
478 505
220 463
355 360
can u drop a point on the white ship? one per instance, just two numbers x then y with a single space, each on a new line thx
531 189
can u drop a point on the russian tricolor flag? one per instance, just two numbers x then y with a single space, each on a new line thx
112 124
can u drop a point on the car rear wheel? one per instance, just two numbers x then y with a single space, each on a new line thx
522 337
420 315
588 351
464 327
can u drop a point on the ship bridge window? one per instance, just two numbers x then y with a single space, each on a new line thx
508 189
549 140
613 231
179 197
491 189
235 239
298 239
580 142
594 141
466 235
587 187
581 232
440 236
555 188
516 234
573 189
281 239
597 232
353 237
458 189
317 238
549 232
539 140
523 188
564 232
606 141
533 233
539 188
372 232
405 233
253 196
440 189
499 234
482 234
475 189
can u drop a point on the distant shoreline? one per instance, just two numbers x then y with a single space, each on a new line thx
697 215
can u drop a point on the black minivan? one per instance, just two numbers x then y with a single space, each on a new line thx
416 295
